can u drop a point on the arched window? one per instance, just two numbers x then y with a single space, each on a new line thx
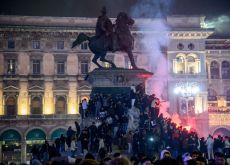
214 69
191 64
60 105
225 70
212 95
11 106
222 132
36 105
180 62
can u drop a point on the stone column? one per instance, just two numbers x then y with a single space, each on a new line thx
198 66
186 65
23 151
174 66
209 71
23 98
204 95
220 69
72 98
48 98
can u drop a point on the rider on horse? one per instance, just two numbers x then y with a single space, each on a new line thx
109 38
104 28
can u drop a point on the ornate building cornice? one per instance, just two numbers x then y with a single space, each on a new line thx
190 34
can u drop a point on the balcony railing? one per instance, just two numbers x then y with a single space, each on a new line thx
219 110
39 116
10 76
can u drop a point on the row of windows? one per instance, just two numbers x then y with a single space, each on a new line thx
60 66
36 67
180 46
212 95
37 45
35 107
186 64
215 70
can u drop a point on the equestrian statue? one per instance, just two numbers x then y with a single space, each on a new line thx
110 37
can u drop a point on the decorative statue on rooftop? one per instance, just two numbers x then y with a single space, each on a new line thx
110 37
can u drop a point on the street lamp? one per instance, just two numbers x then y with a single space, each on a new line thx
187 90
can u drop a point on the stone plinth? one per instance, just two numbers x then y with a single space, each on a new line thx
116 80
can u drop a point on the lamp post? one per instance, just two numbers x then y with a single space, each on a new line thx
186 90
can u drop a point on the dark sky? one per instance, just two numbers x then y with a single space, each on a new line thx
91 8
217 12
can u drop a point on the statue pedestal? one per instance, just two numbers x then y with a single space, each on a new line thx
117 80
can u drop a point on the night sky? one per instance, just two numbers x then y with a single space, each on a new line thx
217 12
91 8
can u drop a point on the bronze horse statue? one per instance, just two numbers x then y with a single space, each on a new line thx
118 38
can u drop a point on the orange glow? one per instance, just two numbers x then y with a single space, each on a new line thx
85 97
176 119
188 128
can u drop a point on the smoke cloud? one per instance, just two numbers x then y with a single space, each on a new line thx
153 44
156 11
221 24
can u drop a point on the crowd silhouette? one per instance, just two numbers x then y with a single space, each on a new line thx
110 138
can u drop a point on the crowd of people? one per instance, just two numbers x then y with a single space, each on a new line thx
155 140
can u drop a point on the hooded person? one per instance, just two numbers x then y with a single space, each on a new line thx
186 157
166 158
165 154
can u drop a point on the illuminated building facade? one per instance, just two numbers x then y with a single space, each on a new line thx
42 78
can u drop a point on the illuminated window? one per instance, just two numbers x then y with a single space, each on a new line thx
180 59
11 66
180 65
191 64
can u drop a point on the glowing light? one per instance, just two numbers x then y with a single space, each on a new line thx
72 110
23 106
177 90
176 119
23 111
186 89
188 128
72 107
